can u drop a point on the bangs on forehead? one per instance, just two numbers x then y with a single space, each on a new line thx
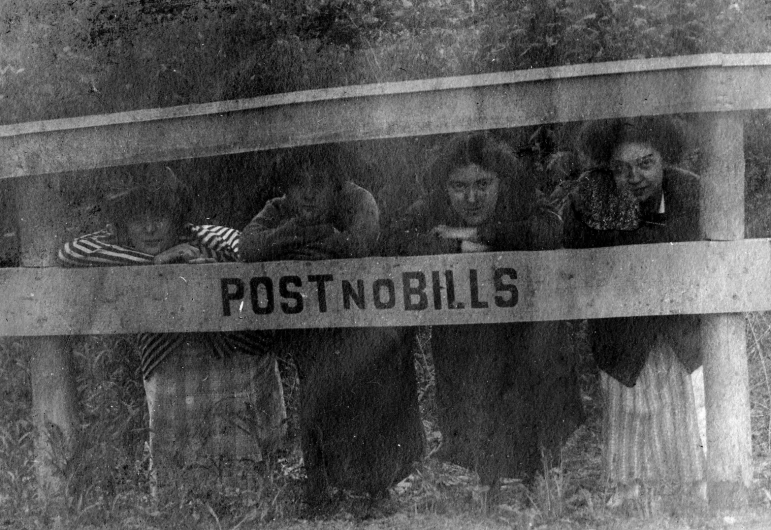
480 149
141 203
648 151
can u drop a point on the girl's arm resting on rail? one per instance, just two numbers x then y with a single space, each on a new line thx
358 238
270 236
542 230
99 250
219 243
413 234
213 243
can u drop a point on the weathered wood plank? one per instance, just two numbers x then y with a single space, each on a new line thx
40 213
724 345
719 277
729 432
703 83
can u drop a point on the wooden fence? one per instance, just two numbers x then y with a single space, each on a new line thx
720 278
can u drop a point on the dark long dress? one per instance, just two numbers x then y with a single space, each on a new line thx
359 417
507 393
360 424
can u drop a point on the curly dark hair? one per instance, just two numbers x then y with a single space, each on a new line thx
479 148
599 139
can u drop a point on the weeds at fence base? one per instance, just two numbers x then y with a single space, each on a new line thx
112 485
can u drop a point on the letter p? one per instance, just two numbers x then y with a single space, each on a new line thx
229 294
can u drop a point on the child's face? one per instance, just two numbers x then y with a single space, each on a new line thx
151 232
312 198
473 193
638 168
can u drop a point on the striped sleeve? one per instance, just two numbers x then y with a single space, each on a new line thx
252 342
218 242
98 250
155 347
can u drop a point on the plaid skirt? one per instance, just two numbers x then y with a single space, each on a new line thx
651 431
205 409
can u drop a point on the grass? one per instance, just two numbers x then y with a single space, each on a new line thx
110 488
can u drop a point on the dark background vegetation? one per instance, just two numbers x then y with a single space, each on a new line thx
69 58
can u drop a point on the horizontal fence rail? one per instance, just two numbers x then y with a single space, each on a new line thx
688 84
705 278
661 279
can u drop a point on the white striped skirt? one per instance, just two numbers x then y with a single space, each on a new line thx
651 432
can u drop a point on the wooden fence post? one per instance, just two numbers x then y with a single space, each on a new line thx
41 219
726 377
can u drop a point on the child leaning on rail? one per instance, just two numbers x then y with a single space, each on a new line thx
359 419
507 394
635 195
213 398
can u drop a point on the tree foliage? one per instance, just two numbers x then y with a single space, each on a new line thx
84 56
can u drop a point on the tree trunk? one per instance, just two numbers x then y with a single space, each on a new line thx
41 218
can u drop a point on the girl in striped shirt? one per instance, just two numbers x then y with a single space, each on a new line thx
213 398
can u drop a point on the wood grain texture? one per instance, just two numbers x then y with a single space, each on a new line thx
723 340
718 277
40 210
726 378
689 84
722 179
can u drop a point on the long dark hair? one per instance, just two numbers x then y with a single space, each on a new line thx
516 195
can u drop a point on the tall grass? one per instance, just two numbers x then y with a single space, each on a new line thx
108 479
17 475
